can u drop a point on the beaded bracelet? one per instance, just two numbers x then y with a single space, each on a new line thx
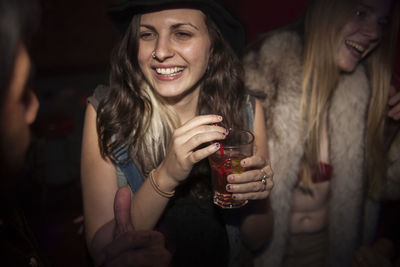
157 188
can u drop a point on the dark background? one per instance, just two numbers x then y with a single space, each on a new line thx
71 54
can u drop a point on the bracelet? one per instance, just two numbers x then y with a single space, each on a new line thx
157 188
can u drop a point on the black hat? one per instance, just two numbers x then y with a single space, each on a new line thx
231 29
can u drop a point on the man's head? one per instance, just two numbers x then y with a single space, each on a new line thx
18 103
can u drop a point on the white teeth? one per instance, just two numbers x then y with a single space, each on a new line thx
356 46
168 71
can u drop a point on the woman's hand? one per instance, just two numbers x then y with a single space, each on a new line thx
255 183
192 142
394 103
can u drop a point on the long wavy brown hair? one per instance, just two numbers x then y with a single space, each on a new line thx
134 114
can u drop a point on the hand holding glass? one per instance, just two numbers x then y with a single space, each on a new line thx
235 147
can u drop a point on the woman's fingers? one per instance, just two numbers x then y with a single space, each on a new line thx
254 183
192 142
197 146
394 112
198 121
394 103
253 190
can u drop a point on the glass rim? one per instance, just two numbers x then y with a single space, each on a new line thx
250 141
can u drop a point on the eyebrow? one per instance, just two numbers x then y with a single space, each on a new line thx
174 26
370 8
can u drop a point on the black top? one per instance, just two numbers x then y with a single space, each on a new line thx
195 229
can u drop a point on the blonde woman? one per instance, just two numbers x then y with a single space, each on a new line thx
326 81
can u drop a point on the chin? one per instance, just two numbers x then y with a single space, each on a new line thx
348 68
347 64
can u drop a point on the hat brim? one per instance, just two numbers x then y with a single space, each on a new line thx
231 29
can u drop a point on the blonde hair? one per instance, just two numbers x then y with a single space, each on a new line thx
161 120
379 66
323 22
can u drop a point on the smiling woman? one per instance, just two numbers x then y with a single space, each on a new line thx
173 53
176 87
362 33
327 78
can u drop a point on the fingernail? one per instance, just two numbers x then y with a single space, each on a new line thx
243 162
233 196
220 118
228 187
217 145
230 178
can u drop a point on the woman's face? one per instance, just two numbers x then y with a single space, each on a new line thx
362 33
180 40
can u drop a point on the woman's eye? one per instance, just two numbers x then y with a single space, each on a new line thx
146 35
360 13
183 35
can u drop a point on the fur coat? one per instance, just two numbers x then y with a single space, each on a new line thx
274 69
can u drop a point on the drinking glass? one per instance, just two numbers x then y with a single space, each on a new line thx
237 145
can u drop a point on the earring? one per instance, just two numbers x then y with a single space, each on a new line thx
153 54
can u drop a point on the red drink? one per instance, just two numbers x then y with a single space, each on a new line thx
221 166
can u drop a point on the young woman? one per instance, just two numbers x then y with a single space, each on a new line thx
326 79
175 88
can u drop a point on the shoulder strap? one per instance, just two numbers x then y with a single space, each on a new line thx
249 112
128 168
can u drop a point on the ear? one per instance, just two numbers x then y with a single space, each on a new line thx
32 106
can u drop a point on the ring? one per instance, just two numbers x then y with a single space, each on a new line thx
264 181
264 174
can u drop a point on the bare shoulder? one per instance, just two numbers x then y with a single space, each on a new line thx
260 131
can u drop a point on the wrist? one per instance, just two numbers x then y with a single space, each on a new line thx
163 180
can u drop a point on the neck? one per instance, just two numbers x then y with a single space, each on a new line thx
185 106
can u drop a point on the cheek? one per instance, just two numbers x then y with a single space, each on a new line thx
16 131
351 27
372 47
199 54
143 56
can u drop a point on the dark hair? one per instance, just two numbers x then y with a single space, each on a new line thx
222 92
18 20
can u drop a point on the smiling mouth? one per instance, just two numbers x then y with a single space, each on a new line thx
169 71
356 47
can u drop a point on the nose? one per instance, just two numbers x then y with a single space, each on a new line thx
163 49
373 30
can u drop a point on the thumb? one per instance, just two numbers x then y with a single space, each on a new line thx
122 211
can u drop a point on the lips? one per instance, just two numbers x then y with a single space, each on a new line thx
168 73
356 49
